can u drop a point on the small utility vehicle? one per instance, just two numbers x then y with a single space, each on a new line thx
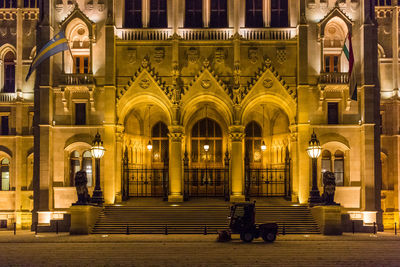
242 220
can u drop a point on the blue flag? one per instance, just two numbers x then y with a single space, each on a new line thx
56 45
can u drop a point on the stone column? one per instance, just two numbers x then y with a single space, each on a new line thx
236 134
175 164
294 164
119 162
303 163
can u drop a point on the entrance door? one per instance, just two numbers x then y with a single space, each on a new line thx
206 175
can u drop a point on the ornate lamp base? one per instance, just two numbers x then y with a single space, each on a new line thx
97 197
315 198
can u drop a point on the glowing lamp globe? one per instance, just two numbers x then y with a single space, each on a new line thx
149 146
206 148
314 147
263 146
97 149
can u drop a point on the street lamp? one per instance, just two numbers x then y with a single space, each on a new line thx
97 151
314 150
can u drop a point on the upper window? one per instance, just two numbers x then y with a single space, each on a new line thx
8 3
334 35
133 14
30 3
384 3
194 14
4 127
219 14
80 113
333 112
9 73
254 14
253 141
279 13
159 139
5 174
81 64
158 14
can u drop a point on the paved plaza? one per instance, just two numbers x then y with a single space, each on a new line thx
26 249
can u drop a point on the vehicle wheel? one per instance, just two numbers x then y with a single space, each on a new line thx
269 236
247 237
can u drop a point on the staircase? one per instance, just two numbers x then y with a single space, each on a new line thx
196 219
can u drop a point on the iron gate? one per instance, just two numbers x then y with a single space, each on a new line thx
145 182
206 182
269 182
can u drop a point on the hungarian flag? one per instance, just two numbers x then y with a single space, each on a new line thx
348 51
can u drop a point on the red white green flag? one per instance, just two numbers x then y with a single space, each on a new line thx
348 52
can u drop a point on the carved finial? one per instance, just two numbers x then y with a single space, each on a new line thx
145 61
206 63
267 62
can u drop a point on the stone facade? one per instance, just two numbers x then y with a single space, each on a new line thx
233 88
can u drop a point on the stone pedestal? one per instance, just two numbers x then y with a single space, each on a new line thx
329 219
83 218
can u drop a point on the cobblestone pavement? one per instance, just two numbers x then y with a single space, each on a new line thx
26 249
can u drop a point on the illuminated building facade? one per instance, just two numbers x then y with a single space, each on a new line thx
226 92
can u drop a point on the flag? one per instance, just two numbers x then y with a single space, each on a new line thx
348 52
56 45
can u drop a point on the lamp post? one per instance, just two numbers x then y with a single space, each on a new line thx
314 150
97 151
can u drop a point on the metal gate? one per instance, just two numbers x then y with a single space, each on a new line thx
145 183
269 182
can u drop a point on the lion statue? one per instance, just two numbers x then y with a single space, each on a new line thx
81 187
329 188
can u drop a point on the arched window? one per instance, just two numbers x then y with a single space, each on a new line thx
159 139
338 167
9 73
133 14
219 14
254 14
253 141
206 132
158 14
87 166
75 166
334 35
193 13
5 174
279 13
79 42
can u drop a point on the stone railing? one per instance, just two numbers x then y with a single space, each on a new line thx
334 78
143 34
7 97
268 33
205 34
77 79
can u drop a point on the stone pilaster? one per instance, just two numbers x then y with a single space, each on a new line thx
118 167
236 133
175 164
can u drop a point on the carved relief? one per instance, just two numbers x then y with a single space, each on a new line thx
206 83
268 82
219 55
193 55
159 54
132 55
253 55
281 55
144 83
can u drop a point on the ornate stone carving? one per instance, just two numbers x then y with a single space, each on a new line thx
219 56
329 188
253 55
159 54
145 61
236 133
175 133
268 82
281 55
131 55
144 83
206 83
81 188
192 55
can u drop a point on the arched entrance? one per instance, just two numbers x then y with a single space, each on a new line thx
206 170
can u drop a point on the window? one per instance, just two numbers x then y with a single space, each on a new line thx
383 2
81 64
30 3
333 113
279 13
5 174
75 166
133 14
80 113
206 131
8 3
332 63
158 14
159 139
337 162
194 14
254 14
253 141
87 166
219 14
9 73
4 125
